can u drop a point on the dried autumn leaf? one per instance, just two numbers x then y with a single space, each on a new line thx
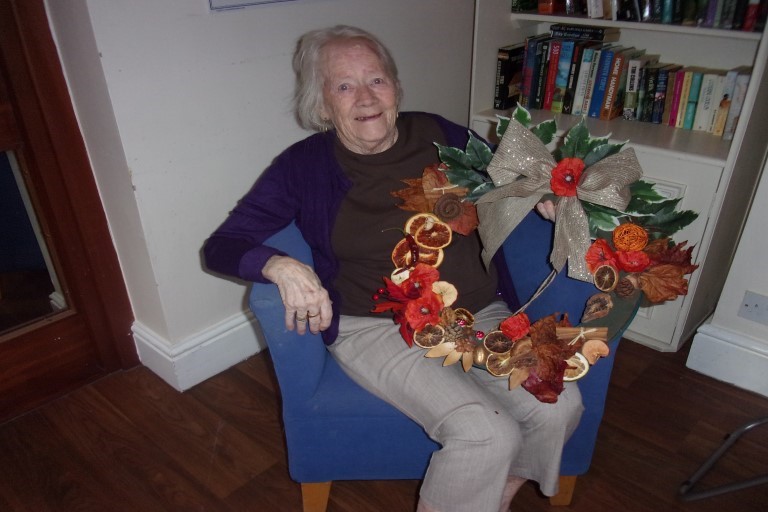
467 222
663 282
663 251
413 197
435 183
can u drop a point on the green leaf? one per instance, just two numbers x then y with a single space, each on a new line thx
501 126
453 157
643 190
576 140
601 218
600 151
475 193
478 153
667 223
522 116
642 208
545 131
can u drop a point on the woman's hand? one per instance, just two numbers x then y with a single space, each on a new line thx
547 210
305 299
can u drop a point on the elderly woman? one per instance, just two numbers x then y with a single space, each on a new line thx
336 185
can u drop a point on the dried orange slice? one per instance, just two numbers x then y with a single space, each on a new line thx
413 224
594 350
433 235
402 256
630 237
499 365
497 342
578 366
606 277
430 336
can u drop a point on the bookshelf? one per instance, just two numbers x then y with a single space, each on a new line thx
716 177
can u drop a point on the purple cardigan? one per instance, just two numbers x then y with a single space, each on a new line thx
304 183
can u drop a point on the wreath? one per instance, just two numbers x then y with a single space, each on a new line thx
612 229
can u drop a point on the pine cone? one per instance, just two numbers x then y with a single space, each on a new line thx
625 288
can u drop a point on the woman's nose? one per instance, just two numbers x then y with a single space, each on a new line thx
364 93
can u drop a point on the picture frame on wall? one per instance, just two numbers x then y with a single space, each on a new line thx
222 5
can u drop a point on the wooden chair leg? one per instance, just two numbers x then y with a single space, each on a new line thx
565 493
314 496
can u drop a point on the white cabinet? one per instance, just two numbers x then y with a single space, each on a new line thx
715 177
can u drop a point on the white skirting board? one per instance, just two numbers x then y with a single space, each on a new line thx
201 356
730 357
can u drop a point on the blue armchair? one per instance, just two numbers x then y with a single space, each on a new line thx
335 430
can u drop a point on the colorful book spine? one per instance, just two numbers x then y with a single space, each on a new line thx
669 95
751 16
541 73
641 93
723 108
509 76
553 61
693 99
601 82
584 33
660 93
581 83
590 89
651 78
676 94
613 101
562 72
531 59
684 93
737 103
705 106
573 73
634 68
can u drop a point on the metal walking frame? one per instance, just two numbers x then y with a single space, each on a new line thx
685 493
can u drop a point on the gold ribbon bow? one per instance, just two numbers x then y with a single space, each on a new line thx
521 169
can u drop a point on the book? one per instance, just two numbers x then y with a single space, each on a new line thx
509 76
738 14
613 101
592 78
674 87
669 95
729 11
718 101
530 71
595 8
524 5
690 11
584 33
601 80
583 78
666 11
553 61
645 105
635 71
751 16
660 93
683 100
737 102
693 99
705 108
541 73
723 107
562 73
573 73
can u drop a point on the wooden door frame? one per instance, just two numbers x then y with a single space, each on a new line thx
63 188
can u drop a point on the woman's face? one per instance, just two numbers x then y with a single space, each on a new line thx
359 97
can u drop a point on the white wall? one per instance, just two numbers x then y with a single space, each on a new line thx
729 347
181 108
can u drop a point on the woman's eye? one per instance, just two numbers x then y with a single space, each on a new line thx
344 87
378 81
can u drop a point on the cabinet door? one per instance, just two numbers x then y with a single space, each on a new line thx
676 175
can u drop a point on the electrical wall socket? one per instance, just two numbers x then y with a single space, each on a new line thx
754 307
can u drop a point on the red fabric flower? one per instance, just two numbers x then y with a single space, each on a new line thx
515 327
633 261
424 310
600 253
420 280
565 177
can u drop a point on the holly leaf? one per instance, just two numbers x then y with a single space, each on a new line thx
601 218
454 158
545 131
502 125
478 152
644 191
599 149
522 116
576 141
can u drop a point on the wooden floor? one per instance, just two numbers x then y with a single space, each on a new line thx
131 443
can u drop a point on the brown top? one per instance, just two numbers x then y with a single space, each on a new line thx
369 223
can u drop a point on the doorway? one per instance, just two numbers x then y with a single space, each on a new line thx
61 256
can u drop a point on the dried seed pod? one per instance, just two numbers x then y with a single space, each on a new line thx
625 288
598 306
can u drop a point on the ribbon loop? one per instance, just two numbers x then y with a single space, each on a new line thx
521 169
